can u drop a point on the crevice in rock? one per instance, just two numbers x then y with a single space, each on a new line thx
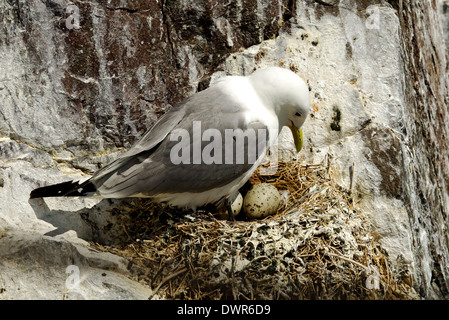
166 24
395 4
123 9
72 165
17 9
288 12
324 3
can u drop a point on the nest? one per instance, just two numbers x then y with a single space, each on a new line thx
317 246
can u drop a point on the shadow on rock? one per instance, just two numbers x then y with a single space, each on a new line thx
108 222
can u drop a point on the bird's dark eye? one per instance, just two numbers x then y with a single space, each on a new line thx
297 114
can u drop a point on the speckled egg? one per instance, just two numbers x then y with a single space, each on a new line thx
261 201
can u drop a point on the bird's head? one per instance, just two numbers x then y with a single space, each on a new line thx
288 95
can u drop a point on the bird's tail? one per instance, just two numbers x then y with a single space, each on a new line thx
65 189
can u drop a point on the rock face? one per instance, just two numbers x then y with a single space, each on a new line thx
443 6
82 80
107 81
40 267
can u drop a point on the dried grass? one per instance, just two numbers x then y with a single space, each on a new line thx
317 246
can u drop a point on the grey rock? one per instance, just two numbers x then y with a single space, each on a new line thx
443 6
33 266
73 99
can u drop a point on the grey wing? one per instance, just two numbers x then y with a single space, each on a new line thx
152 171
161 128
147 144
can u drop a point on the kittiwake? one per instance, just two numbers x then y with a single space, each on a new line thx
204 149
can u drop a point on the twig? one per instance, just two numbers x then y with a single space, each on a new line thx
167 279
347 259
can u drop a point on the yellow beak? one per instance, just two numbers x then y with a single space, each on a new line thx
297 137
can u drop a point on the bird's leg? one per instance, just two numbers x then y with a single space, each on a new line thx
228 206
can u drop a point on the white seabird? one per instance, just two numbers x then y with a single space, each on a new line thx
188 157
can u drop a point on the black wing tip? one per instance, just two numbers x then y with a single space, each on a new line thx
36 193
64 189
